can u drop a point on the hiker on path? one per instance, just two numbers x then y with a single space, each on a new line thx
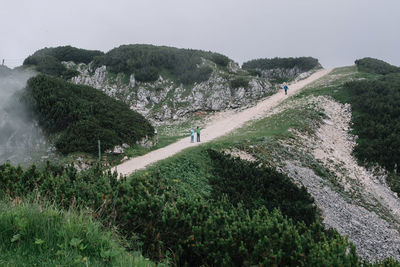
198 134
191 135
285 87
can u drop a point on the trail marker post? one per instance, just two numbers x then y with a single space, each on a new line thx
99 145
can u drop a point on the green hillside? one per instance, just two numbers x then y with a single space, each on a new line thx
163 213
376 116
147 62
373 65
48 60
77 116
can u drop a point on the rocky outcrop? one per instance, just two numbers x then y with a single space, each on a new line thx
165 100
99 78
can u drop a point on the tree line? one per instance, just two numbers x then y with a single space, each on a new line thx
303 63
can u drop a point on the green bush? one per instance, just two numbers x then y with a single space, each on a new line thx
255 187
64 53
240 82
216 233
376 121
63 185
373 65
149 61
79 115
48 60
147 74
196 76
220 59
254 72
303 63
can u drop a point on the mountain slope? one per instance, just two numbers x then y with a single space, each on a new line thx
222 125
166 83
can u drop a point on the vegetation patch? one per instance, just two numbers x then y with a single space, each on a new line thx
374 98
37 235
147 62
48 60
303 63
80 115
239 82
268 188
374 65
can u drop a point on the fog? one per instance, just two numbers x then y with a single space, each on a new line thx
336 32
21 139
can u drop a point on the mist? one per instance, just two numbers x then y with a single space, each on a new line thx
21 139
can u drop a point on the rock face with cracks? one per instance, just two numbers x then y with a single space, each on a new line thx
166 100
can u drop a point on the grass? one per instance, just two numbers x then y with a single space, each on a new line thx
332 84
34 234
189 171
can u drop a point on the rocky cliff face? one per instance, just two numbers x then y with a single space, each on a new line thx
165 100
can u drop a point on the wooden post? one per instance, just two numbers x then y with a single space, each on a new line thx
99 149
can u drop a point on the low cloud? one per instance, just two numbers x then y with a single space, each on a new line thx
21 139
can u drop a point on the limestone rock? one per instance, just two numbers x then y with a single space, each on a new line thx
166 100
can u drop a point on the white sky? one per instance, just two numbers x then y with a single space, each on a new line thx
335 31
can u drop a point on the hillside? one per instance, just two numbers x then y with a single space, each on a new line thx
77 116
308 138
168 84
281 190
376 117
284 189
281 69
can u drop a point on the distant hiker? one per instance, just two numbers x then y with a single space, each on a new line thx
191 135
285 88
198 134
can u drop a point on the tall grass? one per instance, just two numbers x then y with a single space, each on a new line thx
33 234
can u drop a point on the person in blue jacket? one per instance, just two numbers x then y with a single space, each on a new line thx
285 87
191 135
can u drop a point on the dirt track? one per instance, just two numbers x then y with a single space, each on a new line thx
222 124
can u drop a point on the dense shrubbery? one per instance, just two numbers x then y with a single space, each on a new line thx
63 185
192 231
255 187
48 60
148 61
240 82
204 233
373 65
303 63
80 115
64 53
376 119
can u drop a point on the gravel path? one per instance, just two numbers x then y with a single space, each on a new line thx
222 124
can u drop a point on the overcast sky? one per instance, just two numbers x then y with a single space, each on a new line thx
335 31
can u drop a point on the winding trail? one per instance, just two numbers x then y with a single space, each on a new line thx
222 124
